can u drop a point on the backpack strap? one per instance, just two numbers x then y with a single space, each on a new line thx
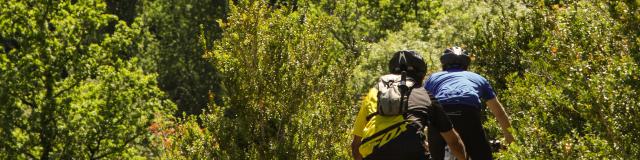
371 115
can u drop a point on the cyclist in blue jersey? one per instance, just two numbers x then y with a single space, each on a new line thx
460 92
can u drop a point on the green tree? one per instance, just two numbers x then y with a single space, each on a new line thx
69 90
179 29
568 75
362 22
286 83
374 61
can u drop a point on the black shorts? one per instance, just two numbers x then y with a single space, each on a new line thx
467 122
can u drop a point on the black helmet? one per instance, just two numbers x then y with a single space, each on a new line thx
409 61
455 57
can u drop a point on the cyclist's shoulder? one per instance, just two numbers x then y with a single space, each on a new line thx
470 73
419 92
440 73
419 97
474 75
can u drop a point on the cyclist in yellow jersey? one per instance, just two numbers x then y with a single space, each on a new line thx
401 136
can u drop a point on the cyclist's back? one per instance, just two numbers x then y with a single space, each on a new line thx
459 92
457 86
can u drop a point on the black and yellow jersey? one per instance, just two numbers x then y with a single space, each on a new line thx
393 136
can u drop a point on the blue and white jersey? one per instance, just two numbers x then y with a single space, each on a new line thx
456 86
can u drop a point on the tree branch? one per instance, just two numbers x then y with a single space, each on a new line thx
70 87
23 151
30 155
99 139
347 43
91 150
33 105
119 148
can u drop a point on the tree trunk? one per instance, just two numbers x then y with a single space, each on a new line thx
47 134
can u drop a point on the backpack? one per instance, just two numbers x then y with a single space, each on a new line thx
393 95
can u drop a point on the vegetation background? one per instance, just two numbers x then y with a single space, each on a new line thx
281 79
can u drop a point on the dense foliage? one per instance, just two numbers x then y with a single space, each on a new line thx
256 79
570 77
179 30
70 90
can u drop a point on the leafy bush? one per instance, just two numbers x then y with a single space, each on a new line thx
286 86
569 78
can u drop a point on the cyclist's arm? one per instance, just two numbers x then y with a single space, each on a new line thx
443 124
455 143
503 119
361 120
354 147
